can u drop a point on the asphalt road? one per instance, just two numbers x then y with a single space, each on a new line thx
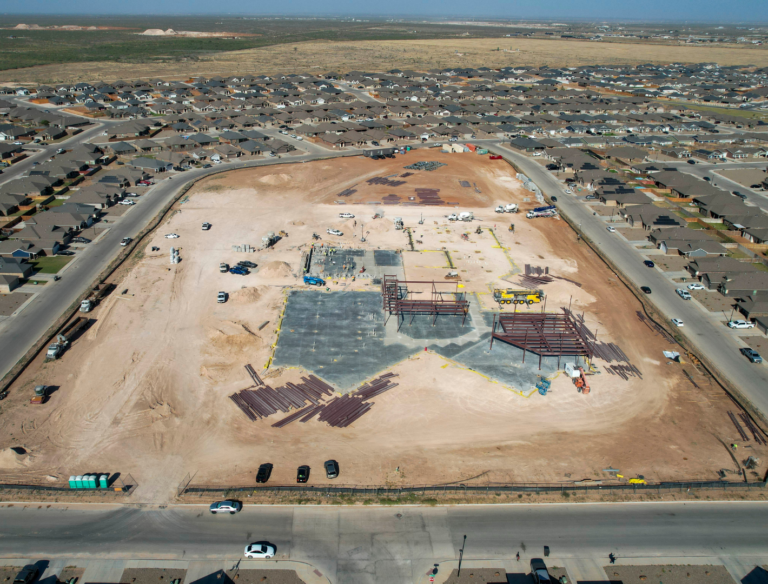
702 169
714 341
392 544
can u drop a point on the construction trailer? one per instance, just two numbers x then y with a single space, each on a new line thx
379 152
399 298
545 334
521 296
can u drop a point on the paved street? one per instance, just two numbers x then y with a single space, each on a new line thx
390 545
716 342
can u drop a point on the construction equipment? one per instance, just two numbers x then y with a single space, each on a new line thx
466 216
522 296
41 394
64 338
510 208
512 227
315 236
378 216
581 382
314 281
452 276
478 230
549 211
96 294
269 240
543 386
398 222
283 233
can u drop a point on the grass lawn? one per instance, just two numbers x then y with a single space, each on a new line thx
56 203
729 111
695 226
51 265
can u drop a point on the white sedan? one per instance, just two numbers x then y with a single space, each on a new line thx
346 215
259 551
696 286
611 229
741 324
126 202
172 236
334 232
677 322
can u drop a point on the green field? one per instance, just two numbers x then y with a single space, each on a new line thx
50 265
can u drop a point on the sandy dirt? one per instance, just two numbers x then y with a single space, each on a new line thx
669 574
144 389
320 57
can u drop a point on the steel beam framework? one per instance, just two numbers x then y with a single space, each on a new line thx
397 299
545 334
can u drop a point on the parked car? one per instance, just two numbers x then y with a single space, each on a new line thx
65 252
27 575
696 286
758 187
238 270
126 202
334 232
172 236
678 322
259 551
706 178
125 241
611 229
206 226
554 199
302 474
591 197
207 165
374 143
221 298
145 183
131 194
742 196
645 289
223 268
80 239
247 264
230 507
265 471
741 324
649 264
691 162
539 571
331 469
751 354
346 216
684 294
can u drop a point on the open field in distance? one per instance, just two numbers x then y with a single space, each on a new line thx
319 57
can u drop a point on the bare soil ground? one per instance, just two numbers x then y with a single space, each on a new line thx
713 301
320 57
745 176
669 574
671 263
144 389
152 575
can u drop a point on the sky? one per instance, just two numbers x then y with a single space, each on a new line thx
731 11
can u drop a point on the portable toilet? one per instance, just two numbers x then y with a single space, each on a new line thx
92 481
103 481
79 482
73 482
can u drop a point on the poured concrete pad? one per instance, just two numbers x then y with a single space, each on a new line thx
344 263
346 338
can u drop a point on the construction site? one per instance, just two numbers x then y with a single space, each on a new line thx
434 341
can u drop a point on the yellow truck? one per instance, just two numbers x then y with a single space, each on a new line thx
510 296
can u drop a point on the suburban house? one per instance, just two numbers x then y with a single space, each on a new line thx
16 248
743 285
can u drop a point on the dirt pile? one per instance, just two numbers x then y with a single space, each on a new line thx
275 269
247 295
11 459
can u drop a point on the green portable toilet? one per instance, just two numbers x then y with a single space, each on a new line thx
103 481
91 481
73 482
79 482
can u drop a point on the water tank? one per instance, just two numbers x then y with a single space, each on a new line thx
79 482
73 482
103 481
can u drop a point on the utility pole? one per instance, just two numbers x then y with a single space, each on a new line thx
461 551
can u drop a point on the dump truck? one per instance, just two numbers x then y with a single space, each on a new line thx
522 296
64 338
96 294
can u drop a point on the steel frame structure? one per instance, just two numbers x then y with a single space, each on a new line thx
545 334
397 300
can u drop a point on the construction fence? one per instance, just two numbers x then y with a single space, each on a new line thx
120 485
384 491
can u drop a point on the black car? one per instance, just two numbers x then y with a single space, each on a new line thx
80 240
756 186
247 264
374 143
649 264
706 178
207 165
265 471
742 196
539 571
645 289
554 199
691 162
331 469
27 575
302 474
65 252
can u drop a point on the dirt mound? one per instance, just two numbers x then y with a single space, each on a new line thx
238 341
275 269
274 179
296 223
10 459
246 295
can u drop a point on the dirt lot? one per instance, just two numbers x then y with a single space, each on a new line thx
385 55
144 389
670 263
10 302
745 176
713 301
669 574
152 575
